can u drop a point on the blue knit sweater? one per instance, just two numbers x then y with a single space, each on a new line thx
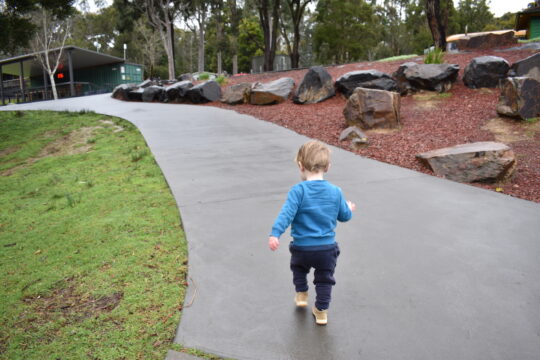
313 208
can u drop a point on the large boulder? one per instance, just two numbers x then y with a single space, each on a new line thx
204 92
371 108
154 93
487 41
274 92
316 86
135 94
185 77
529 67
371 79
403 84
475 162
146 83
121 92
434 77
237 94
520 97
177 91
485 71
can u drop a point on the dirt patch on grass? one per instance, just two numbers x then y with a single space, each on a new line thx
66 303
510 131
73 143
9 150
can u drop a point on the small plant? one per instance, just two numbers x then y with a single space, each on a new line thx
19 113
91 141
137 155
221 80
532 120
71 201
435 56
204 76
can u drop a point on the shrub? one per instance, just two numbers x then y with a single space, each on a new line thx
435 56
204 76
221 80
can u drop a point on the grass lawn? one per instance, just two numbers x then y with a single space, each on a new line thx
93 258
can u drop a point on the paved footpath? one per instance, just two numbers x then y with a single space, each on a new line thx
429 268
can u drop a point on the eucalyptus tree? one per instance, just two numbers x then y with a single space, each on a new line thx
296 10
269 14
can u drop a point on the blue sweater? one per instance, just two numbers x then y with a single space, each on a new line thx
313 207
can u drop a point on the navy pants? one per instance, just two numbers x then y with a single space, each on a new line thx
324 263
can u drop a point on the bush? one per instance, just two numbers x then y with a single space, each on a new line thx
221 80
204 76
435 56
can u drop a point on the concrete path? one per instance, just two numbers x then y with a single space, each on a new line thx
429 268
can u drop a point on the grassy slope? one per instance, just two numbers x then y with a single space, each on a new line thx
92 254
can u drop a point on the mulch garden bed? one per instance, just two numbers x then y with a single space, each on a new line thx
428 121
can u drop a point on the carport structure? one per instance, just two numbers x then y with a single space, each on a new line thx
81 72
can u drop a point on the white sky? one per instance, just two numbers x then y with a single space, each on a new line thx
501 7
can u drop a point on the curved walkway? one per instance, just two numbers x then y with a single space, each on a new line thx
429 269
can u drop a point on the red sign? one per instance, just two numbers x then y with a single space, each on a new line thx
60 75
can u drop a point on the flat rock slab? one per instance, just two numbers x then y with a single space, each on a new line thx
485 71
273 92
371 79
205 92
154 93
121 92
429 268
434 77
177 91
480 161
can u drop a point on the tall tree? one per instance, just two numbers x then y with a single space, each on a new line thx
197 13
16 20
49 42
250 42
436 25
296 10
269 18
235 17
344 30
473 15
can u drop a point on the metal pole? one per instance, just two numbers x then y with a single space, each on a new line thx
71 85
23 85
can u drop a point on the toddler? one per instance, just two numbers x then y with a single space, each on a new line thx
313 207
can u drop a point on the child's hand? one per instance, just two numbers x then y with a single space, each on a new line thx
351 205
273 242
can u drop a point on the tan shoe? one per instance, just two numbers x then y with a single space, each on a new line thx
321 316
301 299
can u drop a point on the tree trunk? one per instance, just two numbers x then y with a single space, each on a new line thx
436 26
53 86
200 67
269 24
219 67
235 20
235 64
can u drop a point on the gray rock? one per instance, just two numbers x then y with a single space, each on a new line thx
475 162
371 108
121 92
147 83
177 91
316 86
135 94
274 92
403 84
204 92
520 97
485 71
359 143
371 79
154 93
185 77
435 77
529 67
237 94
352 132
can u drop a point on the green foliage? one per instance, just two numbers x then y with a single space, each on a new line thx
507 21
204 76
475 14
532 120
529 40
93 257
250 42
401 57
344 30
435 56
221 80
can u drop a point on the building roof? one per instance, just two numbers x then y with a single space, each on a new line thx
81 58
470 35
524 17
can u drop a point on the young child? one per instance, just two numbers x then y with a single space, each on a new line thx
313 207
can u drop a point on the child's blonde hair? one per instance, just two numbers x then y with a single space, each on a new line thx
314 156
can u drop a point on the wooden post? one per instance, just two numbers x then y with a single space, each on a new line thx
71 84
2 85
45 92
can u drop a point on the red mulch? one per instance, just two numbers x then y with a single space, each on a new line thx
445 121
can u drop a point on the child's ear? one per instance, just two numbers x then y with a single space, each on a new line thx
328 167
300 166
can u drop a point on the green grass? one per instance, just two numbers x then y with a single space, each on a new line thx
400 57
92 253
435 56
537 39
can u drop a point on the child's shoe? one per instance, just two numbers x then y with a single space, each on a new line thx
301 299
321 316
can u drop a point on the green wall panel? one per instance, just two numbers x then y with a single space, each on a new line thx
534 27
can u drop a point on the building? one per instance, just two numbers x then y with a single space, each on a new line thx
81 72
529 20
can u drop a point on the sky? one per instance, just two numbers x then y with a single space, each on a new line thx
501 7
